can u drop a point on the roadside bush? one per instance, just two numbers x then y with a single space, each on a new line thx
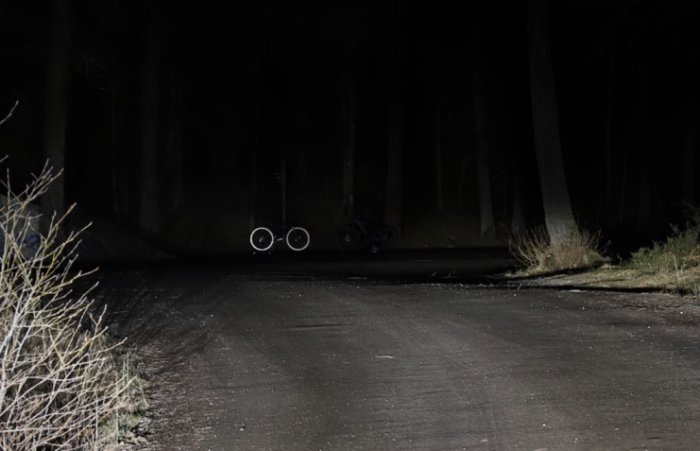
534 250
679 252
60 386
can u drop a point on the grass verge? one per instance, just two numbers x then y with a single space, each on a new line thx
672 265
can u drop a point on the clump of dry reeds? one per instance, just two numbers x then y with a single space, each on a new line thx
535 251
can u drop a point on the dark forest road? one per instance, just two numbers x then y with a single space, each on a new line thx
254 360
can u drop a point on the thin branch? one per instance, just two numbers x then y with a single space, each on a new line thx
9 115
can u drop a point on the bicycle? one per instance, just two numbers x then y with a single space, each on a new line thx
297 238
364 234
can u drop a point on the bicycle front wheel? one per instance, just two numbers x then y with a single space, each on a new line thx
298 239
262 239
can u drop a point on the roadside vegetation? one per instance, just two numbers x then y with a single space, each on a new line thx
671 265
64 383
538 256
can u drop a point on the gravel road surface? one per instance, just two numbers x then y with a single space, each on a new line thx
311 356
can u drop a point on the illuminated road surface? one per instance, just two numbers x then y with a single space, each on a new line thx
247 360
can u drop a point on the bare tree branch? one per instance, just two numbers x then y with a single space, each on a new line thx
9 115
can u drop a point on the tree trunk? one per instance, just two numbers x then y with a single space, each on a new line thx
483 169
608 202
257 31
255 137
348 105
439 201
644 193
175 155
689 148
559 218
301 138
120 172
642 137
394 180
622 214
517 219
56 109
149 213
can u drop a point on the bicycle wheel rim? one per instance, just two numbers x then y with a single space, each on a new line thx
262 239
298 239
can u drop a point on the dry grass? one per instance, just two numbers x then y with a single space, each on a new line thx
672 265
60 386
675 261
534 251
680 251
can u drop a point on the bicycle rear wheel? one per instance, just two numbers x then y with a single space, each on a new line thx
298 239
262 239
387 235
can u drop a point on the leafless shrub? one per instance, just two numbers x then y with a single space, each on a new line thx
60 387
534 250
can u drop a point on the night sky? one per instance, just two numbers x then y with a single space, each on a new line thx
179 119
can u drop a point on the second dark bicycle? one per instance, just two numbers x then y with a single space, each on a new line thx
361 234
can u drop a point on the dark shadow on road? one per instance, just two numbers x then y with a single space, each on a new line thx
142 307
403 266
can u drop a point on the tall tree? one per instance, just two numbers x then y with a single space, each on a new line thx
393 201
483 168
254 169
175 138
517 218
689 144
559 218
150 97
607 201
690 64
642 137
348 132
301 144
56 105
257 32
437 150
119 170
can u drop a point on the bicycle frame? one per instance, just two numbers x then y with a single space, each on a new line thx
297 238
263 239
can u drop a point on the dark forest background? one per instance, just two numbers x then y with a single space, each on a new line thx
174 122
